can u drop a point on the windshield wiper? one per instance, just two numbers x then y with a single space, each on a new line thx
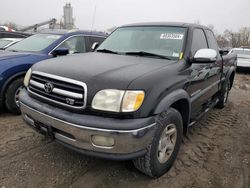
106 51
143 53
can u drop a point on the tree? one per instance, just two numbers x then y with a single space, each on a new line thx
244 36
222 41
240 38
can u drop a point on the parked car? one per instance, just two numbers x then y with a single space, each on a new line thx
18 58
135 97
243 57
7 42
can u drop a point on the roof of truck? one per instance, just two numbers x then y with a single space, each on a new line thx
178 24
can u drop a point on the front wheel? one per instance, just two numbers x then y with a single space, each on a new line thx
163 150
12 95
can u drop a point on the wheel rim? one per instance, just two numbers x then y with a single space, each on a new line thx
167 143
226 94
17 96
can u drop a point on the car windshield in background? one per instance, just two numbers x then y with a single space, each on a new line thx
247 51
164 41
4 43
34 43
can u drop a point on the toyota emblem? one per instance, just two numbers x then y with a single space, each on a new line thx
48 87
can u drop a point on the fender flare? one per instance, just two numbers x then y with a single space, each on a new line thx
170 99
227 77
8 81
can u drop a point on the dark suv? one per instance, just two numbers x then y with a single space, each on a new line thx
133 98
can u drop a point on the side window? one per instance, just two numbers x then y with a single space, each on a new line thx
212 43
74 44
199 41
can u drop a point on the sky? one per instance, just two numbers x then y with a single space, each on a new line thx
223 14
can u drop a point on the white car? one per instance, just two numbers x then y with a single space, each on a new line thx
7 42
243 56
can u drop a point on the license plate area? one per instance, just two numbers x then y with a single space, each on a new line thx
44 129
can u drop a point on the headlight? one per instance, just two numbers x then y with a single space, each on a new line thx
27 78
108 100
118 100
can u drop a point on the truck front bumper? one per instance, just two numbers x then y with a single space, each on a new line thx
125 143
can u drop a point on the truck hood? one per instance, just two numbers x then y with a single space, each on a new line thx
100 70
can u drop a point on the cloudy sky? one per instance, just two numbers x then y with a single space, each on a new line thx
223 14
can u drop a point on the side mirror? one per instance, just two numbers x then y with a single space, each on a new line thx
60 52
94 46
205 56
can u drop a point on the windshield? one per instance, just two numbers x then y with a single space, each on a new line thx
160 40
34 43
242 51
4 43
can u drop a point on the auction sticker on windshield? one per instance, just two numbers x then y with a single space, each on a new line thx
174 36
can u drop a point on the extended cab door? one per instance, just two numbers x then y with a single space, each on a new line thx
204 76
215 67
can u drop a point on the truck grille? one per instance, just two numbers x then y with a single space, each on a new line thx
59 90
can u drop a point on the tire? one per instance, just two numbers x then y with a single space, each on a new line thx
154 164
223 96
11 95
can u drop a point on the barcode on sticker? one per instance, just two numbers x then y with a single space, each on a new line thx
174 36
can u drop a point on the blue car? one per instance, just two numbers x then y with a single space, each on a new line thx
17 59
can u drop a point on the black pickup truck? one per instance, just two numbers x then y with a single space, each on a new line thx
134 97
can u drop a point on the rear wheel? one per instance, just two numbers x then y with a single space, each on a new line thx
162 152
12 95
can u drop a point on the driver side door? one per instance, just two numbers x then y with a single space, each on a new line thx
200 77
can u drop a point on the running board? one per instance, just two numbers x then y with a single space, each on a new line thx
192 123
208 107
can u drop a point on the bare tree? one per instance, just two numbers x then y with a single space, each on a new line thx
222 41
244 36
237 39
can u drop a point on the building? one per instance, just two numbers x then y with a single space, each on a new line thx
68 17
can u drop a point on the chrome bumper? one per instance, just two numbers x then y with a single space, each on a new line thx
79 136
243 63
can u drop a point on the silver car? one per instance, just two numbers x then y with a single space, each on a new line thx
243 56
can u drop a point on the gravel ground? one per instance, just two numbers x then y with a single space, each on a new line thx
216 153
